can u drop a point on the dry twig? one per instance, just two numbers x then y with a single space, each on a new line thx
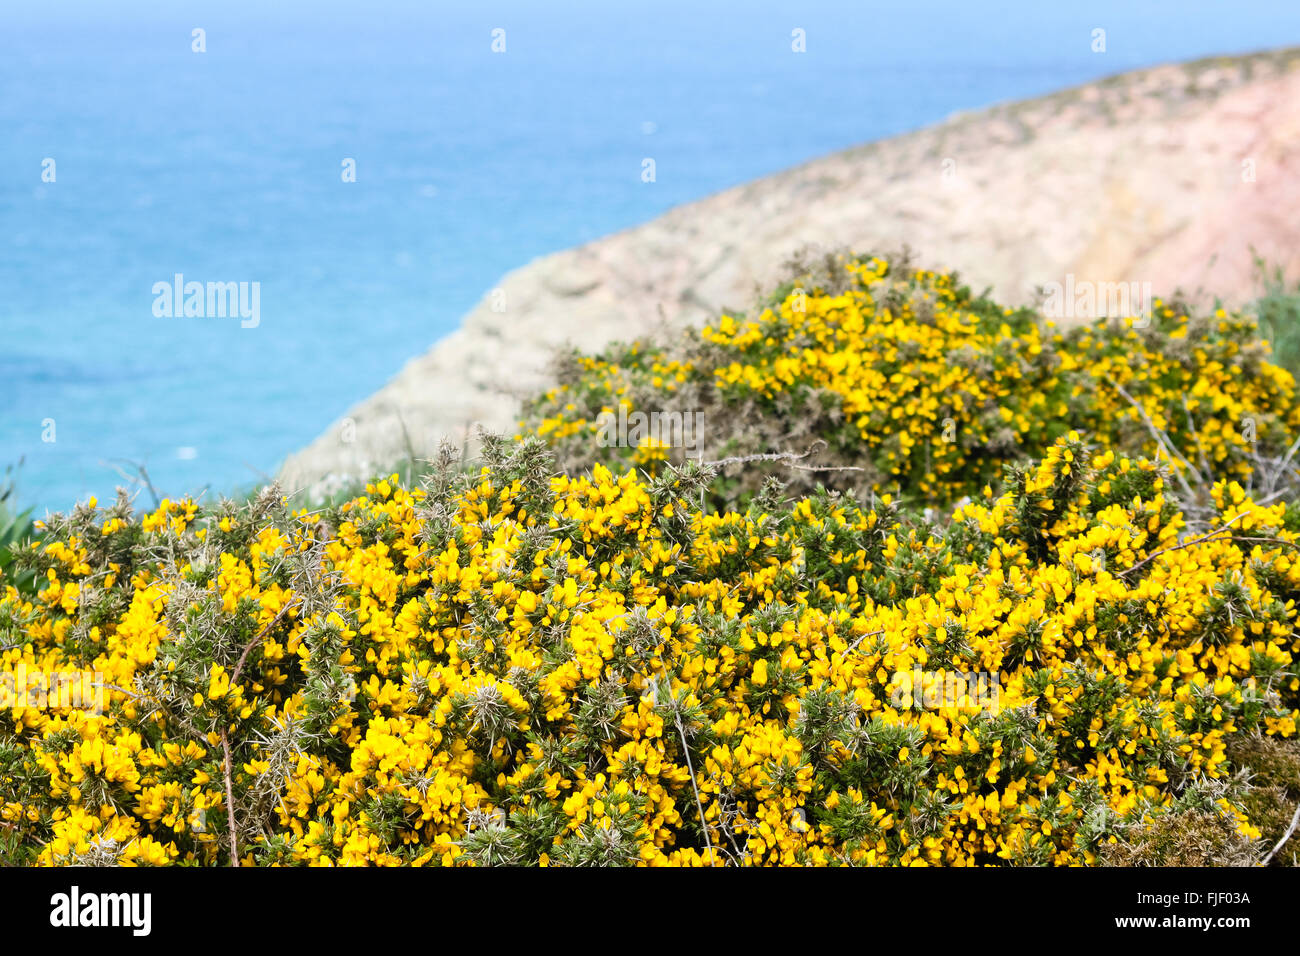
788 458
230 800
1295 821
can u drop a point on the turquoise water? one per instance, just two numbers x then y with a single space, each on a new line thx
225 166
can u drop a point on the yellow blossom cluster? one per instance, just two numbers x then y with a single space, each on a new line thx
918 387
519 666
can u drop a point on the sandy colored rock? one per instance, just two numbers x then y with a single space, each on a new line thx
1168 176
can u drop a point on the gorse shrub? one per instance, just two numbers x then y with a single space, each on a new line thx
518 666
594 652
905 382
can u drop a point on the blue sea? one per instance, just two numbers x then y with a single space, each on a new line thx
227 165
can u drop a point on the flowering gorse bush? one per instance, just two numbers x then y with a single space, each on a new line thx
909 384
519 666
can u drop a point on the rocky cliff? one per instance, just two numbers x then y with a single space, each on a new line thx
1173 177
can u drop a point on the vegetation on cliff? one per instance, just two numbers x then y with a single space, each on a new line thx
904 381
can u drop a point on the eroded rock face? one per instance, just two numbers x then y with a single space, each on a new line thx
1167 178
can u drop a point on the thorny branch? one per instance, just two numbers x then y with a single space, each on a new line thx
230 801
1295 821
787 458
